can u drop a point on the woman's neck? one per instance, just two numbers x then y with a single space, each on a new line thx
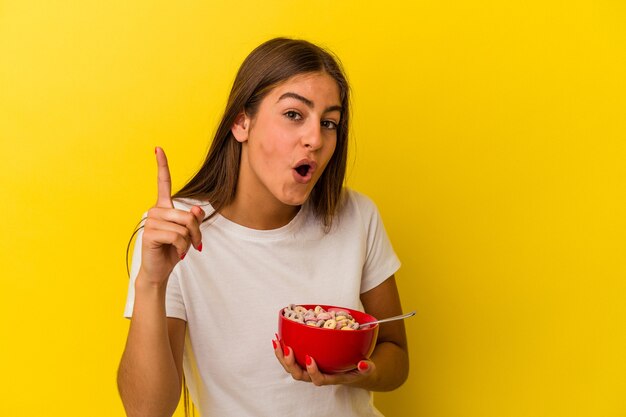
259 213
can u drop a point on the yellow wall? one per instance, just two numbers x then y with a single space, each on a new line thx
490 133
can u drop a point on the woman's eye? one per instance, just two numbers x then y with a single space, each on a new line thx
329 124
294 115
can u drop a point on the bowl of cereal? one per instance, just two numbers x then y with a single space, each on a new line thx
331 335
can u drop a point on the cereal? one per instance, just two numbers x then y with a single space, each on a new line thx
318 317
330 324
324 316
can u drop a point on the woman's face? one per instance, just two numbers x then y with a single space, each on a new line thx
288 143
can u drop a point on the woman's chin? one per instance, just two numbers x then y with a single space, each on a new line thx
295 198
294 202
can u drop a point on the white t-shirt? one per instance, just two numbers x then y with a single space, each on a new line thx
231 292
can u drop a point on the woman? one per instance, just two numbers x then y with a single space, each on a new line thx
270 224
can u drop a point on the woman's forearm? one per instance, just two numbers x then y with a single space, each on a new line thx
148 379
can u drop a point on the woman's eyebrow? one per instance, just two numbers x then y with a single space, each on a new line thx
306 101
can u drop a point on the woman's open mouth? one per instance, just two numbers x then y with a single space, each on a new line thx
303 171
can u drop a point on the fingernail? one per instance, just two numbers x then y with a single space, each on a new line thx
286 350
274 344
363 366
200 247
183 256
276 334
308 360
155 149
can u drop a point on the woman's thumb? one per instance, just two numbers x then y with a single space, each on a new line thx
199 213
365 367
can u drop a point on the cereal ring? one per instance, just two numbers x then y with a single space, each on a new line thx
330 324
323 316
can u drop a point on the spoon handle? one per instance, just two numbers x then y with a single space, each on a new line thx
403 316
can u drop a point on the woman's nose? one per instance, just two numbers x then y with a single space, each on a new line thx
313 138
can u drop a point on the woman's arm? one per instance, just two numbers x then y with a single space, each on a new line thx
390 357
150 373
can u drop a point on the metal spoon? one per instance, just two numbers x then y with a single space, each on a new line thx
403 316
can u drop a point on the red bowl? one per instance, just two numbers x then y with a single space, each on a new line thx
333 350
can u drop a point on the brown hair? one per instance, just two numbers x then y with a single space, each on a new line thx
268 65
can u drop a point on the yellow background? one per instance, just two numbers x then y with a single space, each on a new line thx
491 134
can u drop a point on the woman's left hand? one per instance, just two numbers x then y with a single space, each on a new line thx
365 369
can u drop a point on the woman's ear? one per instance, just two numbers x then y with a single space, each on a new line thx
241 127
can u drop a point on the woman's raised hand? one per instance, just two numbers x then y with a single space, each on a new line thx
168 232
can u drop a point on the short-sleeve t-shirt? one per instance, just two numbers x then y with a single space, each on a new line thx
230 294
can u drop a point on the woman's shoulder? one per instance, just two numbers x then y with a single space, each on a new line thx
355 202
358 199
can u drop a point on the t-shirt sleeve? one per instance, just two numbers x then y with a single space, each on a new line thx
381 260
174 304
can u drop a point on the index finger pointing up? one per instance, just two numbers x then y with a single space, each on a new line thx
164 180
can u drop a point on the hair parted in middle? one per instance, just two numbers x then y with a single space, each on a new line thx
267 66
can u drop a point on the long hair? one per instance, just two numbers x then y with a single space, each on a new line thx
268 65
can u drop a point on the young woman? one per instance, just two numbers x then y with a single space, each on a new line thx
265 222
